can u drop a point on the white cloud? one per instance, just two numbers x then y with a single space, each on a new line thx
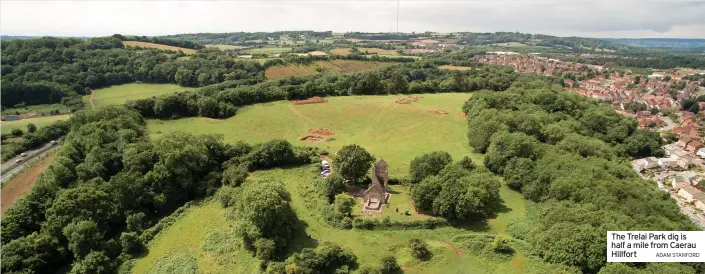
597 18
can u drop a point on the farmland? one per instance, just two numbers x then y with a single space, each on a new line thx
8 126
346 51
268 50
226 47
333 66
157 46
117 95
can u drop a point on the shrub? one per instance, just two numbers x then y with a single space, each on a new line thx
389 265
419 249
344 204
501 245
265 249
31 128
346 223
17 132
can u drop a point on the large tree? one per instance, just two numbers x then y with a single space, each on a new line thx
353 162
428 164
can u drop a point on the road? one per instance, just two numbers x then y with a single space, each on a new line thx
44 150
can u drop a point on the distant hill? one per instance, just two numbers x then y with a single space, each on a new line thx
670 43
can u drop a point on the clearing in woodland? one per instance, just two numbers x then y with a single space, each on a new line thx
395 132
334 66
117 95
157 46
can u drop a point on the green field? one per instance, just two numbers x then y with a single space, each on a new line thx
268 50
395 132
8 126
392 131
117 95
44 109
190 233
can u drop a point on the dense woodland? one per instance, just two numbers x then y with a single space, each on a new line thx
51 70
222 100
569 154
109 183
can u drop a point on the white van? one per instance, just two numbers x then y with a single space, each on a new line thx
24 154
325 163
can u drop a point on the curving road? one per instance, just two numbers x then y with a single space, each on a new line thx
11 168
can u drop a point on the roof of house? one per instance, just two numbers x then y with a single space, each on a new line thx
697 194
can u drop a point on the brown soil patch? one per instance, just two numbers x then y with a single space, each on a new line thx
340 51
451 67
321 131
408 100
462 115
438 112
158 46
312 100
23 182
315 139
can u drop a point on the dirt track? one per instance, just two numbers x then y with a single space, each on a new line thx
90 101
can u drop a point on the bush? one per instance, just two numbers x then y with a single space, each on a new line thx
265 249
31 128
501 245
390 265
334 185
346 223
419 249
344 204
17 132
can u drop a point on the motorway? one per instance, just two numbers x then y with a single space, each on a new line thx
31 154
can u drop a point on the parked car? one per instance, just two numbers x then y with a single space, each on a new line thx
19 161
23 154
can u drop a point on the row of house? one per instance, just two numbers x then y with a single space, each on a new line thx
691 195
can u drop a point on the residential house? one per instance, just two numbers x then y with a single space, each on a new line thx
694 146
667 162
692 195
701 153
679 180
683 162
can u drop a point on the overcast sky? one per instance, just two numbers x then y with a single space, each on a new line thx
595 18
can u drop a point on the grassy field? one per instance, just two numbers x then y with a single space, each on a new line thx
395 132
226 47
35 110
8 126
116 95
271 50
194 230
509 44
157 46
379 51
333 66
